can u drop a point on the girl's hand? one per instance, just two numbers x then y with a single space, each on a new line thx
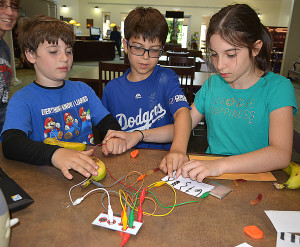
172 161
198 170
66 159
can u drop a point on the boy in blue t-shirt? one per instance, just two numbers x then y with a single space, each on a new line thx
149 97
53 107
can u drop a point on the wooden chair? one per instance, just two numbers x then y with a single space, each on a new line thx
109 71
186 77
171 47
176 54
180 49
195 53
181 61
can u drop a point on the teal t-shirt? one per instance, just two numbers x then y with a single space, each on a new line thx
238 119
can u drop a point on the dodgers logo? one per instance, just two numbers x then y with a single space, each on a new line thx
145 119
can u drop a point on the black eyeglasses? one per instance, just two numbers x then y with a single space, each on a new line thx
140 51
4 6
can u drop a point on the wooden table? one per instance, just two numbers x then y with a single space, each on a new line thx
210 222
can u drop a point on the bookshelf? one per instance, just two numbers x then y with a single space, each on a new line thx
278 37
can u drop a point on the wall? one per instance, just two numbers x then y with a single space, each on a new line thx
80 10
37 7
273 13
269 9
292 47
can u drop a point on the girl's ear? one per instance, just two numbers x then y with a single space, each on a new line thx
125 45
256 48
31 56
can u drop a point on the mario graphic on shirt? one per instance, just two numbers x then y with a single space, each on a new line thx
52 129
90 139
71 126
85 116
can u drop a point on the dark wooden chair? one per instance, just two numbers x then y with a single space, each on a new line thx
171 47
186 77
181 61
109 71
180 49
195 53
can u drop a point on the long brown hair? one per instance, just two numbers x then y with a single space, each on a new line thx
240 26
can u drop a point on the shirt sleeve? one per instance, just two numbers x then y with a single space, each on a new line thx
98 110
17 146
281 94
174 93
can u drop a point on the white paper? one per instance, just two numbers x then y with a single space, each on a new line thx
285 221
244 245
285 239
188 186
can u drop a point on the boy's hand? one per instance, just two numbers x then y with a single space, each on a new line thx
114 146
66 159
172 161
198 170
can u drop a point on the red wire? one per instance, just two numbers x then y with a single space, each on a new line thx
109 170
120 181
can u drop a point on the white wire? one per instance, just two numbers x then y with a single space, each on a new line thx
96 190
108 197
74 187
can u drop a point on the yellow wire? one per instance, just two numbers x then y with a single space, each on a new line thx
153 185
160 183
121 191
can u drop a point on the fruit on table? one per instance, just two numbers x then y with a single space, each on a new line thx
294 181
101 173
69 145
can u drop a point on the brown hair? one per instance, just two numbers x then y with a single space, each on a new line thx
240 26
148 23
15 2
41 28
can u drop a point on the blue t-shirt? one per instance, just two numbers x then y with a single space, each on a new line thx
238 119
145 104
66 112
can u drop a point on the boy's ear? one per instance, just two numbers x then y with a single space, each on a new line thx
31 56
256 47
125 45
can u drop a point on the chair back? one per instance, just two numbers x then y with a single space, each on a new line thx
195 53
109 71
180 49
171 47
186 78
181 61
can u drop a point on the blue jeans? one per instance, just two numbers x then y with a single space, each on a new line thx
2 114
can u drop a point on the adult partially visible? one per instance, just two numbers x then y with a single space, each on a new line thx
8 18
115 35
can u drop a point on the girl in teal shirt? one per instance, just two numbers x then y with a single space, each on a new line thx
248 109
